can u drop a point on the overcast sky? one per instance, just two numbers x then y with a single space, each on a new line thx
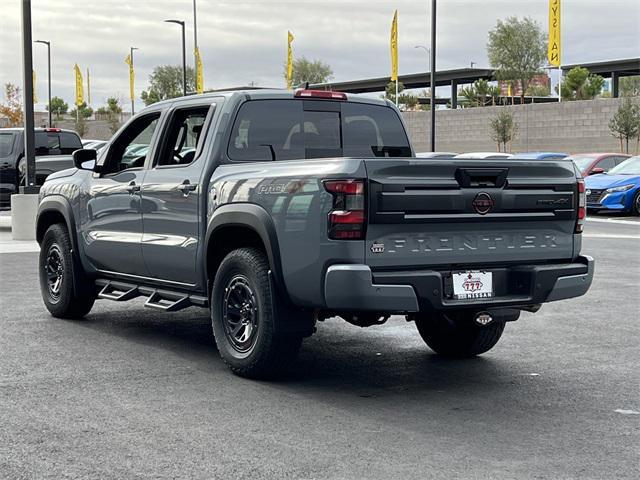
245 41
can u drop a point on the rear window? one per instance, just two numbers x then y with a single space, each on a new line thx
296 129
6 144
57 143
47 143
69 143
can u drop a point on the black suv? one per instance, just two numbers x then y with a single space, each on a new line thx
55 144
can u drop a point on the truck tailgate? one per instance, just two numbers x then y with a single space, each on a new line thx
426 213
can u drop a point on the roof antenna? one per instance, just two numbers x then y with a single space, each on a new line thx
303 86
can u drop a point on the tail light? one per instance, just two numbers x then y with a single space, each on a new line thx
582 206
347 219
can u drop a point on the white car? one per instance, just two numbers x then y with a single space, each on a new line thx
436 155
485 155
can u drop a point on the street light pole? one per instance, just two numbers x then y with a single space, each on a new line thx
27 85
433 75
184 56
48 44
195 40
131 49
428 50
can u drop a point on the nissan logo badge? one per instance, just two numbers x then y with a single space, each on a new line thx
482 203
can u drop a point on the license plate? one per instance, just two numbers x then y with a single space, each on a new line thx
472 284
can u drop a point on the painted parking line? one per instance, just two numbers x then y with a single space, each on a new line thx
19 247
613 220
610 235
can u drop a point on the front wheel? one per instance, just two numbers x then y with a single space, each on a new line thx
242 316
456 334
635 207
56 274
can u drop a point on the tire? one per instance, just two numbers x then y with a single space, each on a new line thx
457 335
21 171
635 206
243 321
56 274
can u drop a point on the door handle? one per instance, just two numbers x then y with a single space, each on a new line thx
133 188
187 187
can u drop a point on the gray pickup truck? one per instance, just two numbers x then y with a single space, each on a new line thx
278 209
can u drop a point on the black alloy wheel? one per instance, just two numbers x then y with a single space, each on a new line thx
240 314
54 271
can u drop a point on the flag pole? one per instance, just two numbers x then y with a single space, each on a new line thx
396 92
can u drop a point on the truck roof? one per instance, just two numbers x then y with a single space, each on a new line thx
269 93
38 129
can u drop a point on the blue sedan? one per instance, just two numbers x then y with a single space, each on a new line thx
618 189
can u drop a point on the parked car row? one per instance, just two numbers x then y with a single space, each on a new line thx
618 189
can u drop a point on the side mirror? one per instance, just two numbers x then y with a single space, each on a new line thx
595 171
84 159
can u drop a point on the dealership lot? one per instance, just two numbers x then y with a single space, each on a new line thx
131 392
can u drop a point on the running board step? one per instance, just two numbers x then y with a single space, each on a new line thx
160 299
119 292
167 301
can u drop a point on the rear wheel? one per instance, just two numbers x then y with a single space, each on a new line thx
242 314
456 334
57 277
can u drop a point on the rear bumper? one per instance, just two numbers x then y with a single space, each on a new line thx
357 288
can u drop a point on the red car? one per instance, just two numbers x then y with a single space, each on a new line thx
592 163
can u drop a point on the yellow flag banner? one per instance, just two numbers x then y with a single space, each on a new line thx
199 72
129 62
79 87
554 48
394 48
290 39
33 79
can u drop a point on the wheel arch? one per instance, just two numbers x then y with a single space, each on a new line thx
257 229
55 209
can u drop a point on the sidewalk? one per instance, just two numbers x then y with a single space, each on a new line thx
8 244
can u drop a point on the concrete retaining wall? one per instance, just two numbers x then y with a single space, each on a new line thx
581 126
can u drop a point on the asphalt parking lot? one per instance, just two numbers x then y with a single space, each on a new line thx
130 393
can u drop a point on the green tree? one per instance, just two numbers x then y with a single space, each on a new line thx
479 94
578 84
11 108
58 106
83 111
503 129
630 86
166 82
305 70
111 111
538 91
625 123
390 91
517 49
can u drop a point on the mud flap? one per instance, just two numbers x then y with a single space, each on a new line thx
290 320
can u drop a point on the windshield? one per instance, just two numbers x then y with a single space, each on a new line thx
631 166
6 144
304 129
582 162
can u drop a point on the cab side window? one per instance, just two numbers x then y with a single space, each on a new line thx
130 149
183 138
